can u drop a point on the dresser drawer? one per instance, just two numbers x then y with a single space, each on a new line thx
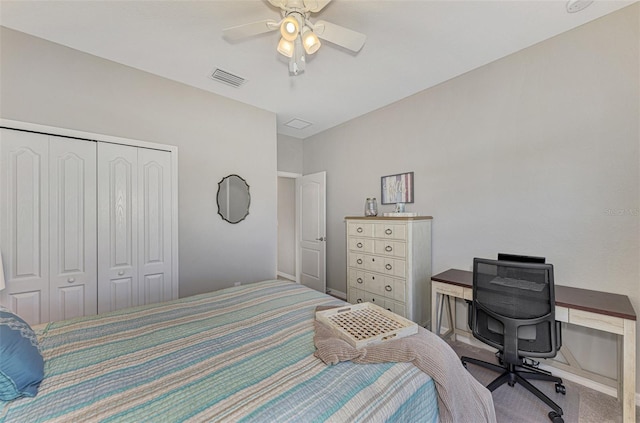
357 260
360 229
356 278
385 303
355 296
390 248
394 267
361 244
390 231
388 266
385 286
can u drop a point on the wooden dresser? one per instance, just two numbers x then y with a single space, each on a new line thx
389 264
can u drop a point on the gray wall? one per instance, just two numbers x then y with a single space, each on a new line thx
287 226
536 153
49 84
289 154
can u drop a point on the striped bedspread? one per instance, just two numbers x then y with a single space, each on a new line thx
239 354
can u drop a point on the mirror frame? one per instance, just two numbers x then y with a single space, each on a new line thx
218 198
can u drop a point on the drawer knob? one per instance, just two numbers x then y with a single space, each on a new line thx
360 280
388 248
389 309
388 267
388 231
359 245
359 300
373 300
359 230
120 273
359 261
387 288
71 280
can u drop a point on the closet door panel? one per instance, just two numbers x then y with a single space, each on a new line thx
73 238
154 225
24 223
69 302
117 226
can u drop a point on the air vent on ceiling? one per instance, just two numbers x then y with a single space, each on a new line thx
574 6
227 78
297 123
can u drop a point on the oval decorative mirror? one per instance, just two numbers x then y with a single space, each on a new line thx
233 198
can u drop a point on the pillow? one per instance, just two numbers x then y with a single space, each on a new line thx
21 364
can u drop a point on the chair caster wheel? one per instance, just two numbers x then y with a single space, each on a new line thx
555 417
512 384
561 388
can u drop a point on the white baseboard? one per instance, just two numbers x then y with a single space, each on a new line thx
337 293
286 275
596 386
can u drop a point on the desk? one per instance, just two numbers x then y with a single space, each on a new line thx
593 309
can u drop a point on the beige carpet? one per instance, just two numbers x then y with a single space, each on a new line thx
516 404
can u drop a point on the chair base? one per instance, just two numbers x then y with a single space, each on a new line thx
512 374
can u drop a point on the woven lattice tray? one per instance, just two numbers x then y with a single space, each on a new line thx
366 324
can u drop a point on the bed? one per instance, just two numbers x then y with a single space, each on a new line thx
239 354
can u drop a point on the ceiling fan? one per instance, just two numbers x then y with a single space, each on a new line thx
298 34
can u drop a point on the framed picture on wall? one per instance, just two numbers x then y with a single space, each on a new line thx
397 188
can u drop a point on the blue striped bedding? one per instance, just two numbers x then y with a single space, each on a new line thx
240 354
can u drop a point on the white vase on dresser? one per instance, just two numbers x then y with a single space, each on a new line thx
389 264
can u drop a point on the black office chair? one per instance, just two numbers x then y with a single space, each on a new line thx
513 310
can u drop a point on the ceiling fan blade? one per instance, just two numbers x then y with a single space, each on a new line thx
315 5
247 30
339 35
279 3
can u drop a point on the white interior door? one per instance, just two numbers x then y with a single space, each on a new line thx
72 236
24 223
154 226
117 227
311 197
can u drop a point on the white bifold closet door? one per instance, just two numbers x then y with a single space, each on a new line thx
72 232
134 226
48 225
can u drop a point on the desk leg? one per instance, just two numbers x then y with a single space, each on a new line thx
628 366
434 311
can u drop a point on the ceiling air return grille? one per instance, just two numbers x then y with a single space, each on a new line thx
227 78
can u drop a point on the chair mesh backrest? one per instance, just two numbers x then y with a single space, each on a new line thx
515 291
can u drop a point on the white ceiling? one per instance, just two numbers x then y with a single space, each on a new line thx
411 46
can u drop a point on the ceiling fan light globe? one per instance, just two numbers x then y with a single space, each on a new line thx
289 28
310 41
285 47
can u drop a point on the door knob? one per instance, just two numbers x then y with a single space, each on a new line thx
322 238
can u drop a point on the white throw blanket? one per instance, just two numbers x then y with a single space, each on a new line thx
461 398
